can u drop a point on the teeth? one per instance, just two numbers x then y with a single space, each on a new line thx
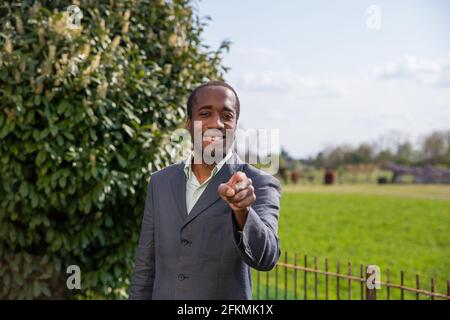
212 138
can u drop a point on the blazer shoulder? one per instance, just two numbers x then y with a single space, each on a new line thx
167 171
259 176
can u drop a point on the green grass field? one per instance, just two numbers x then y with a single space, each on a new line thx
404 227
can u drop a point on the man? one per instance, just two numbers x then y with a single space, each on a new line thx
209 219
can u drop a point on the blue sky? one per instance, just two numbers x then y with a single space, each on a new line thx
316 72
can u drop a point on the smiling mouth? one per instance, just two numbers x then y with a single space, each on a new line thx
213 138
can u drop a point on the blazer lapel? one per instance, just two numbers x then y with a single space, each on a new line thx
178 185
210 195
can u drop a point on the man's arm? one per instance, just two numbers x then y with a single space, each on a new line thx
258 242
144 269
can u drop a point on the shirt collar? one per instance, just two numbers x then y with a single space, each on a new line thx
219 165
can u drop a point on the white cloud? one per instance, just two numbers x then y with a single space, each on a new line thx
288 82
435 72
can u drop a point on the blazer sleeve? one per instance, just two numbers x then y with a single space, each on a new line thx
144 269
258 242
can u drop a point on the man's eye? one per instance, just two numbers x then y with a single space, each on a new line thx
204 114
229 116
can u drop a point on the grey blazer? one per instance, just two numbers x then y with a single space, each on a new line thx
203 255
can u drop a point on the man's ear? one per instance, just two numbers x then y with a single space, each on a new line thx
188 124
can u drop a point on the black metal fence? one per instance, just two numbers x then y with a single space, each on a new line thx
305 280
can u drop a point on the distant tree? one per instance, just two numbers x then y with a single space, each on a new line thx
318 161
393 147
364 153
405 154
335 157
435 147
384 156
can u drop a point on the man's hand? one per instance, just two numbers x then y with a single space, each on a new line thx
239 193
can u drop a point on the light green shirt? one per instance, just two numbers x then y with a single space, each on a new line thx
193 188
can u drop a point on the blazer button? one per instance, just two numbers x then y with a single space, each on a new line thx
181 277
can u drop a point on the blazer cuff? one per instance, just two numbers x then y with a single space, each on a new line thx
241 237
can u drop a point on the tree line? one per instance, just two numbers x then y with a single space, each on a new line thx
431 149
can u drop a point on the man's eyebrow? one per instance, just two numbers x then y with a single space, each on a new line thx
205 107
229 108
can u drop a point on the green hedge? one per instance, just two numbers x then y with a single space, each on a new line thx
85 116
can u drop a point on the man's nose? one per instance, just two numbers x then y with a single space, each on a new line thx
216 123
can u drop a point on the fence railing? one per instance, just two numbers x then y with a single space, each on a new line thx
305 280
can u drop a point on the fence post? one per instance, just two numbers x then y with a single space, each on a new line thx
370 293
417 286
305 285
315 278
349 281
402 284
388 285
362 277
295 277
285 274
258 280
326 278
276 282
433 286
448 288
338 289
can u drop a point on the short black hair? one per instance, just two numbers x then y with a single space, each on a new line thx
191 99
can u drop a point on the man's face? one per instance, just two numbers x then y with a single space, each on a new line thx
214 119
